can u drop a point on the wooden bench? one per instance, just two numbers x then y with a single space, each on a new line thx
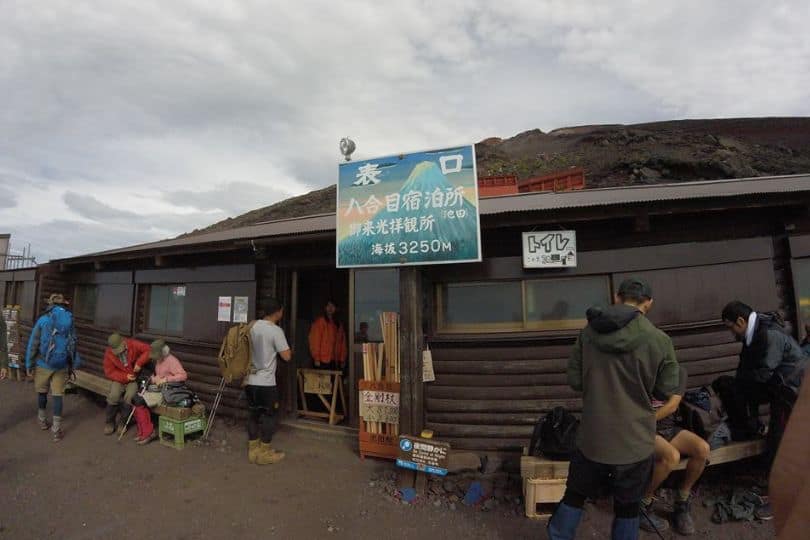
544 479
93 383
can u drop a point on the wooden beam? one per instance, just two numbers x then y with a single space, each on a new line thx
411 417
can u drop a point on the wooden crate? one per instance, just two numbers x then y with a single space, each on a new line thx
542 495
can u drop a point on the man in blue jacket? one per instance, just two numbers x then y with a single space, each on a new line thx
52 349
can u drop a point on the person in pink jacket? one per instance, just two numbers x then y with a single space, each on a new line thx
167 369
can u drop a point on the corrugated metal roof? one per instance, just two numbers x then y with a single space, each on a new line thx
524 202
286 227
644 194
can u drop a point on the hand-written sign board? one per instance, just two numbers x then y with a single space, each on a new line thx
426 455
317 383
379 406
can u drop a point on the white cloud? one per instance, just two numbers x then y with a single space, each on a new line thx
153 107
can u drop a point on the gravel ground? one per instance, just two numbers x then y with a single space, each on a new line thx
90 486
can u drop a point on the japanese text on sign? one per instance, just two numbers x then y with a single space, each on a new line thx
424 455
409 209
379 406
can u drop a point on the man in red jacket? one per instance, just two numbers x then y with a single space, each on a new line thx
123 359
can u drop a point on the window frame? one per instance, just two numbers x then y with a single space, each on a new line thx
164 331
78 300
522 327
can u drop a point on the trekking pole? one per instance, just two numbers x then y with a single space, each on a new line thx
647 517
214 407
131 413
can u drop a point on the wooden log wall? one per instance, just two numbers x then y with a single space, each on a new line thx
488 396
199 360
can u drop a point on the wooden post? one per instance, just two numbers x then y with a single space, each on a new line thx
411 417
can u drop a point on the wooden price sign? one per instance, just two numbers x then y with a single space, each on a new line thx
379 406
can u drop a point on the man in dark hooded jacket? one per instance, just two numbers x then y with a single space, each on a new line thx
619 361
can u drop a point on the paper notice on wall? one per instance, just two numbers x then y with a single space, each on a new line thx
427 366
224 311
178 291
379 406
240 309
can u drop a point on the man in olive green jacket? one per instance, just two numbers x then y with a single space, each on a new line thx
620 361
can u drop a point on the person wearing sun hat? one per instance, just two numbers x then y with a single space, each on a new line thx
168 369
123 360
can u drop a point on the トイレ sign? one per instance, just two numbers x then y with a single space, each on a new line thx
419 208
549 249
425 455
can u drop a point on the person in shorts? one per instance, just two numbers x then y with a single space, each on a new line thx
51 351
267 345
672 442
619 360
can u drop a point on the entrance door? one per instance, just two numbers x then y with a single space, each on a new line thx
313 288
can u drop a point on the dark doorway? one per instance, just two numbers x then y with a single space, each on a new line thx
314 288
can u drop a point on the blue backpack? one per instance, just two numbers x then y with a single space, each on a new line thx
57 342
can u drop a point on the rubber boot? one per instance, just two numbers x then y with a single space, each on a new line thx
268 456
625 528
109 424
253 450
563 524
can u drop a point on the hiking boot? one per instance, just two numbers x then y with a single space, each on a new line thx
268 456
764 512
149 438
110 412
253 450
43 424
682 517
651 522
58 435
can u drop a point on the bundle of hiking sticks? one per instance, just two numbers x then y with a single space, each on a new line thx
381 364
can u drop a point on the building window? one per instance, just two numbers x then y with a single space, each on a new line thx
515 306
85 298
166 309
375 291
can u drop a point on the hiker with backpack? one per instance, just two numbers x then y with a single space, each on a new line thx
52 351
770 371
618 361
267 345
123 360
168 369
672 442
3 350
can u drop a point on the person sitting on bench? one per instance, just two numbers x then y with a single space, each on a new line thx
123 360
167 369
770 371
672 442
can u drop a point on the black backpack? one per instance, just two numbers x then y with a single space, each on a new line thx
555 435
178 394
696 417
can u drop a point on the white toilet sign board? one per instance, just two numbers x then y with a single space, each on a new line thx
549 249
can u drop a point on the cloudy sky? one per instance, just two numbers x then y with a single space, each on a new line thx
124 122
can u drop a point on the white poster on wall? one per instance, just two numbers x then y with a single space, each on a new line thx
550 249
224 311
240 309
